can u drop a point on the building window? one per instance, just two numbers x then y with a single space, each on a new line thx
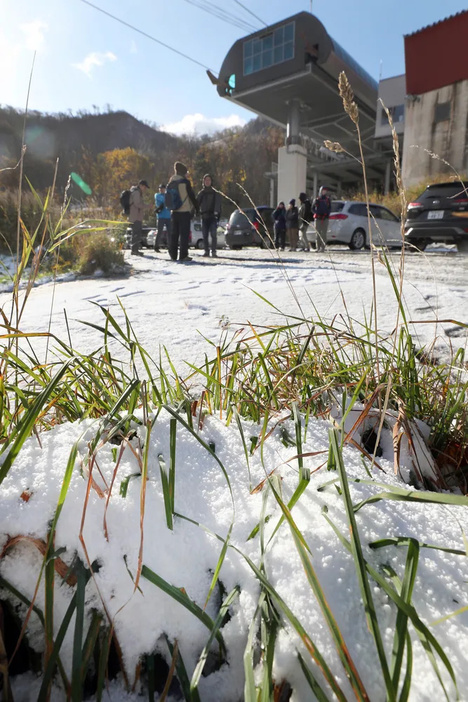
442 112
266 51
397 112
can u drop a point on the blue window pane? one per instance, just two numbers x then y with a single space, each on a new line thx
278 36
247 49
268 42
278 54
257 62
288 51
248 66
257 46
289 32
267 58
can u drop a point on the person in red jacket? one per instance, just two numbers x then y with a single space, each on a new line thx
321 209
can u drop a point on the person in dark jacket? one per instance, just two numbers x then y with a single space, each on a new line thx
279 218
180 217
209 202
305 217
292 224
321 210
135 216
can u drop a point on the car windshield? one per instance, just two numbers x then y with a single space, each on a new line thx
239 219
447 190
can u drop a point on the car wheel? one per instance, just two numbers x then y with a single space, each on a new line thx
418 244
358 240
462 246
200 244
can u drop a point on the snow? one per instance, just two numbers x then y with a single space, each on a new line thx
189 308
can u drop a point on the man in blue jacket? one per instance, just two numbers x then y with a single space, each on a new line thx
164 217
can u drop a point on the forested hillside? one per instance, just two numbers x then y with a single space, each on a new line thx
111 150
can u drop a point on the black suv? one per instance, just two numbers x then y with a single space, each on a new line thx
247 228
440 213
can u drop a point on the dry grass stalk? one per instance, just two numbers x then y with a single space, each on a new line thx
334 146
347 95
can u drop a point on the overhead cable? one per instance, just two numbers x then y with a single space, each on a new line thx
145 34
251 13
220 13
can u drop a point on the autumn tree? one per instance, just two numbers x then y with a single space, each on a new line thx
119 169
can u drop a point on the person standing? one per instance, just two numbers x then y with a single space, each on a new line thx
164 217
209 202
135 215
183 201
292 224
279 218
321 210
305 218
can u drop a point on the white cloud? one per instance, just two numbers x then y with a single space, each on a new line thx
133 47
199 124
34 34
93 60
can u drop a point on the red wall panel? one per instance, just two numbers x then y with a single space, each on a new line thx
437 55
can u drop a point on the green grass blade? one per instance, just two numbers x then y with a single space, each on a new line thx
314 685
426 637
217 625
27 422
342 649
77 660
183 599
356 550
182 674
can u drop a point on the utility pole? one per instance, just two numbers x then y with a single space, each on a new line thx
310 6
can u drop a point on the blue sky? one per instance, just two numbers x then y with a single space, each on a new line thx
85 59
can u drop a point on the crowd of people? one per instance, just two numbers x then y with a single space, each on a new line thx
293 221
176 203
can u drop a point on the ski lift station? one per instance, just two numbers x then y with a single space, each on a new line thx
288 73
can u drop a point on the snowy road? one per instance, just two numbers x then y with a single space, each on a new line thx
175 305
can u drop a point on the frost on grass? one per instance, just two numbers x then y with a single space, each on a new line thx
186 556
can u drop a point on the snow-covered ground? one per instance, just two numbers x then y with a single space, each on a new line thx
183 307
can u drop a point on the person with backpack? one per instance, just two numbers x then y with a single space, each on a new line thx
305 218
136 208
209 202
181 201
163 217
292 224
279 219
321 210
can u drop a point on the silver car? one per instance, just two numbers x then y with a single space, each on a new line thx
349 224
197 236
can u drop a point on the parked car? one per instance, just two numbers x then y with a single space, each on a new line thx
145 232
148 239
197 236
247 228
439 214
349 224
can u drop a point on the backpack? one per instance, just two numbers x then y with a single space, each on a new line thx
125 201
307 210
322 206
172 198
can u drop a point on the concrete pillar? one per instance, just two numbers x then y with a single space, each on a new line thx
315 191
292 171
293 128
272 193
388 173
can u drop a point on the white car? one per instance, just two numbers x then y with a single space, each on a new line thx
197 236
349 224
